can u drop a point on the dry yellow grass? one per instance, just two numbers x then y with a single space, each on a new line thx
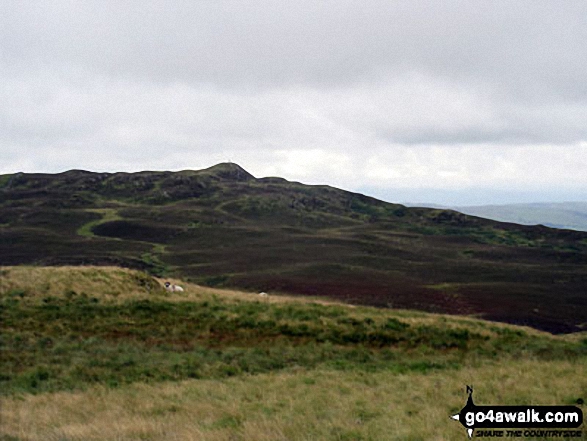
304 405
101 282
112 283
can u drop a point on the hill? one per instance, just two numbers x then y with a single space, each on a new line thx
568 215
94 353
223 227
563 215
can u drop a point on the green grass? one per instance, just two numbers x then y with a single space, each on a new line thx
55 340
106 353
70 342
154 264
4 179
108 215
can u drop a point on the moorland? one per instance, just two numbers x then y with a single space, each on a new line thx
222 227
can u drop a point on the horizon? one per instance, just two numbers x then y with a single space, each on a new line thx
450 199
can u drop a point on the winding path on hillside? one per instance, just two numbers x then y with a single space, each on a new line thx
108 215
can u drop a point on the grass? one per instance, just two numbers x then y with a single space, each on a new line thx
319 404
4 179
106 353
108 215
154 264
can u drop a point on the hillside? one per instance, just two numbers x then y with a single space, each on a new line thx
223 227
94 353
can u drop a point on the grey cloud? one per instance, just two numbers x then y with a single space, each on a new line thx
529 47
524 60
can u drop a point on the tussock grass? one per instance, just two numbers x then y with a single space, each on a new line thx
302 405
115 283
30 283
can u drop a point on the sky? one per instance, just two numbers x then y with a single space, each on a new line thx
447 102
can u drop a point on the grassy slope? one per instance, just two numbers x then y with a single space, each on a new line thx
222 227
139 363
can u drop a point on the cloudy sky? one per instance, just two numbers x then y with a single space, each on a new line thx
451 102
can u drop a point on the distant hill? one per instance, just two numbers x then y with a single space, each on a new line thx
569 215
564 215
224 227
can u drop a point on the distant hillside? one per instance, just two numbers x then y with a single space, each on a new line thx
569 215
224 227
564 215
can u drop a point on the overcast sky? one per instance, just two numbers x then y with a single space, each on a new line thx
451 102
